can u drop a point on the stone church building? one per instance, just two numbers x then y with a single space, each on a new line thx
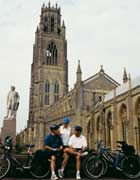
95 103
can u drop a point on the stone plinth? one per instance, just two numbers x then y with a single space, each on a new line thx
9 129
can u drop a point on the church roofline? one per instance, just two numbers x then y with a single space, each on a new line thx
98 75
123 88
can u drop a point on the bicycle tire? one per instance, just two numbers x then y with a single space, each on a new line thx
40 169
84 164
95 167
4 167
130 166
105 167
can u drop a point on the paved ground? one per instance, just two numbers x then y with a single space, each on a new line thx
69 179
66 179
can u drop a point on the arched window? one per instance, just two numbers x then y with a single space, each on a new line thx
98 127
47 93
56 91
45 24
52 24
51 55
109 127
123 114
139 132
137 127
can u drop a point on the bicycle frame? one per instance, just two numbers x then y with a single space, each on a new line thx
19 166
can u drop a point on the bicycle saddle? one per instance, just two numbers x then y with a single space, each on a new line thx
30 145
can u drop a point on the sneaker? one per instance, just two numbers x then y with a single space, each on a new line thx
82 154
78 176
60 173
54 177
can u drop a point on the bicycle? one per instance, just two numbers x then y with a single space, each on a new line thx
128 162
95 165
7 161
40 166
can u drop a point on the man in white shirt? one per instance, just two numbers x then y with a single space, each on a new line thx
65 132
77 147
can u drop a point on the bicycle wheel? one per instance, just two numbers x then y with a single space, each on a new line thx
130 166
40 169
84 162
105 167
95 167
4 167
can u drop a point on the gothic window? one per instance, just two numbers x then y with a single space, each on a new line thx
45 28
40 94
45 24
98 127
46 19
137 111
98 124
109 127
56 91
123 113
47 87
51 55
47 99
139 130
52 24
47 93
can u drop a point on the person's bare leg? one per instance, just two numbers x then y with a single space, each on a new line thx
65 161
78 163
53 159
71 151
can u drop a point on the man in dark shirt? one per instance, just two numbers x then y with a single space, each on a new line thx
53 143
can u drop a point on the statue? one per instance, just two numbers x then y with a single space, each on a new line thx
12 103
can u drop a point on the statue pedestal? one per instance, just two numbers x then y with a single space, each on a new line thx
9 129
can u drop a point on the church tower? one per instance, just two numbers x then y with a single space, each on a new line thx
49 70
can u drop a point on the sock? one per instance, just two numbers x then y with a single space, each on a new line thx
78 172
62 169
53 173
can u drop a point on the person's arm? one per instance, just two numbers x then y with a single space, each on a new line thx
71 132
71 143
47 143
60 143
84 146
49 148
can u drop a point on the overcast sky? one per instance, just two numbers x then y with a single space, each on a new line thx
99 32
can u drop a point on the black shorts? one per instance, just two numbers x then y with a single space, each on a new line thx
54 153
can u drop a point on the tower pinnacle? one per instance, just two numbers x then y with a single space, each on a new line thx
79 72
125 78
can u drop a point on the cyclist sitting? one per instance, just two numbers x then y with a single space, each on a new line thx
53 144
77 146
